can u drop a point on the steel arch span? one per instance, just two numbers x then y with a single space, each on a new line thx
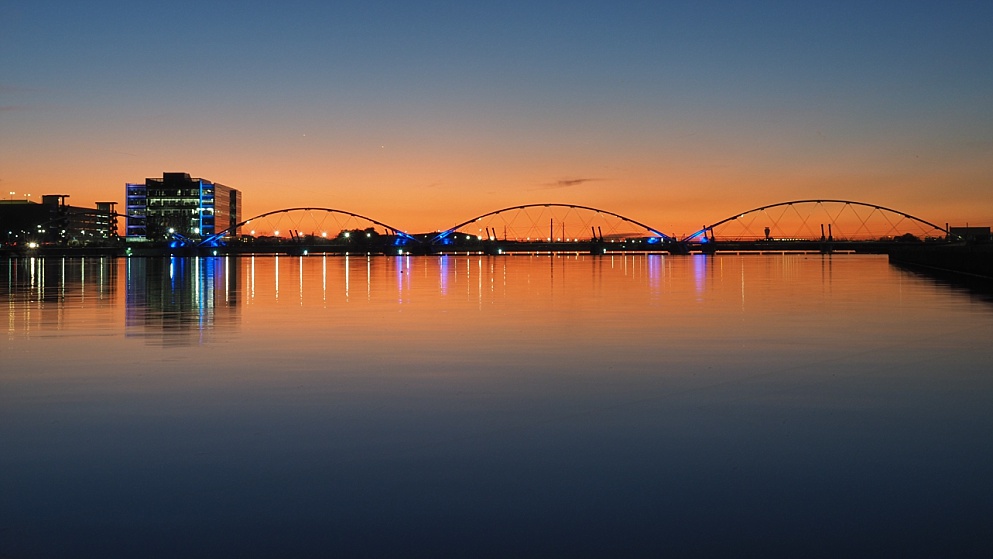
310 222
818 220
551 222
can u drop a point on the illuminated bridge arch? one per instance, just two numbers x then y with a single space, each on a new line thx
843 220
308 223
551 223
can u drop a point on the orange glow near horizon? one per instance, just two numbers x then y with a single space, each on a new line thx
425 197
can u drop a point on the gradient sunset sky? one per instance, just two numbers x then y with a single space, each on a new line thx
424 114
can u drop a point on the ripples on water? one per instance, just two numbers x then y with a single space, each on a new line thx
493 406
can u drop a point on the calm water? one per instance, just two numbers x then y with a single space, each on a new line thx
471 406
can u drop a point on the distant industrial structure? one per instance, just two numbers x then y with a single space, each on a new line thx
973 234
179 206
53 222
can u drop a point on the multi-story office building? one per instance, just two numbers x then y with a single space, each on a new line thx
178 204
54 222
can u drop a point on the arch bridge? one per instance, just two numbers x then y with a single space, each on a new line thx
551 226
820 221
527 227
302 227
573 227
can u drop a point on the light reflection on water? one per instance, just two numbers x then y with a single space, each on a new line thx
471 405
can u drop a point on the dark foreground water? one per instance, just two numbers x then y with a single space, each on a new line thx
508 406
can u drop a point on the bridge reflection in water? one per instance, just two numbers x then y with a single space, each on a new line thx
186 300
172 301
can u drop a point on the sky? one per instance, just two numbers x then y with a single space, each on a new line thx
425 114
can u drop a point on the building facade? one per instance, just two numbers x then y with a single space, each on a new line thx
176 204
53 222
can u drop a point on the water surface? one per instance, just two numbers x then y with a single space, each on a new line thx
527 405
